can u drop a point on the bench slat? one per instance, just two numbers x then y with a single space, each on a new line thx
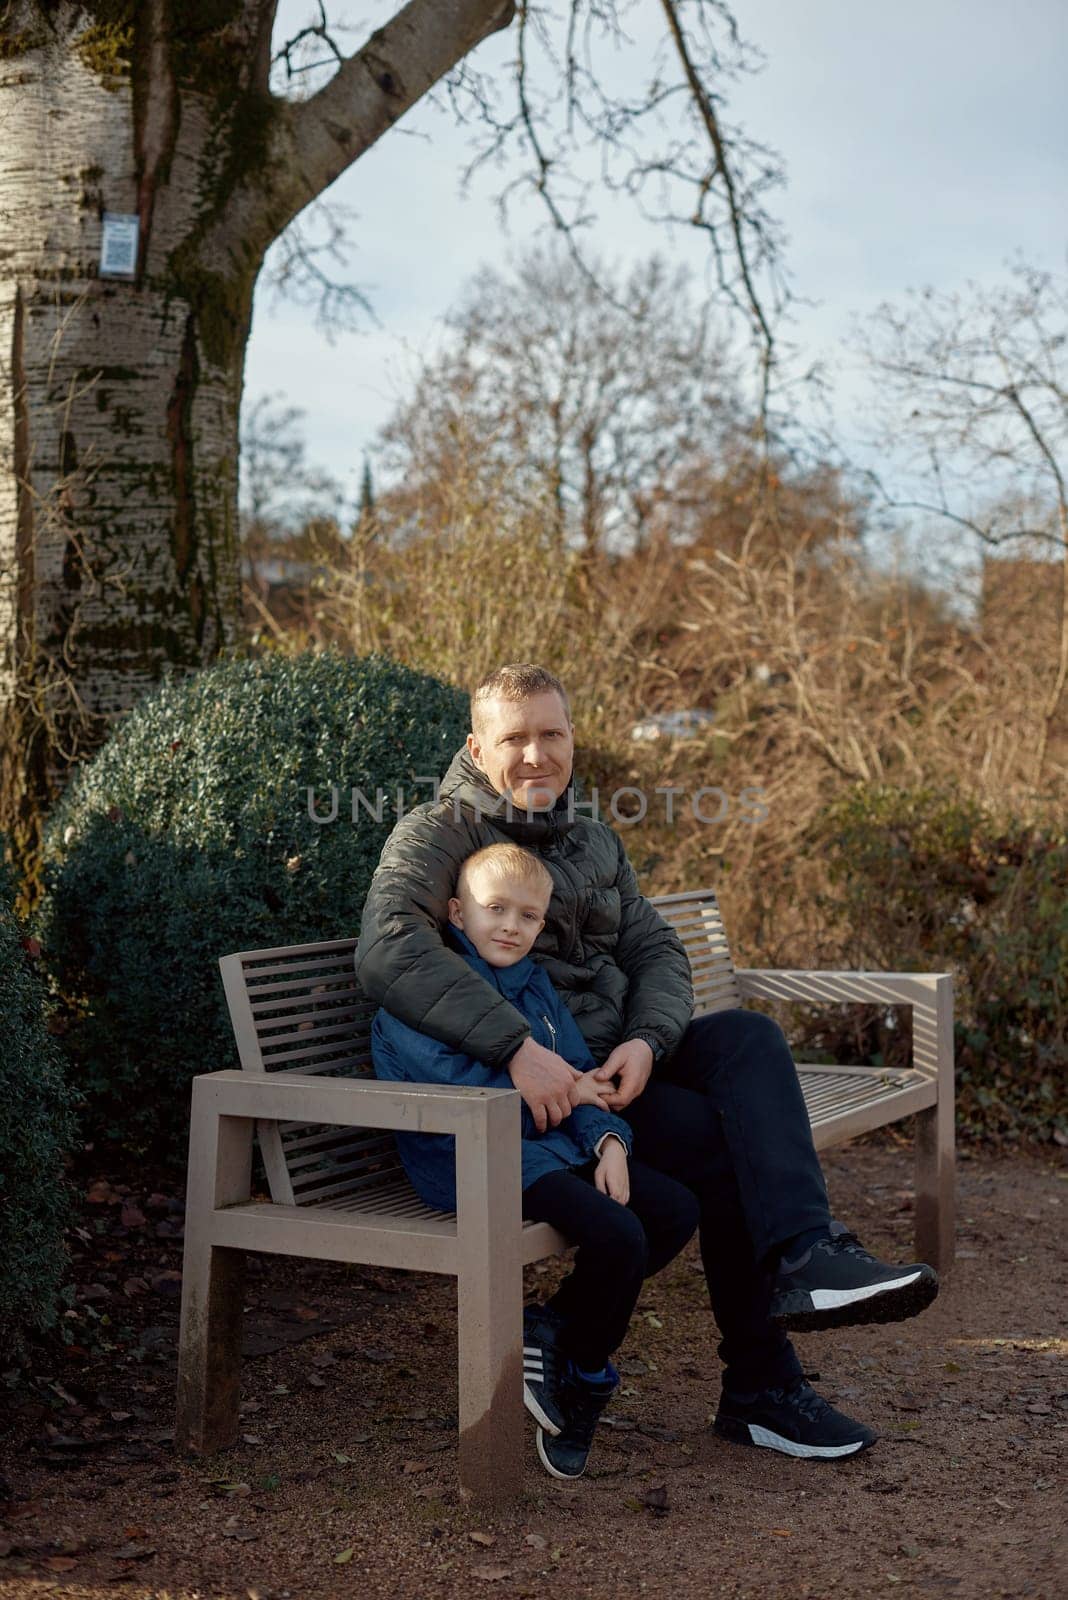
309 1014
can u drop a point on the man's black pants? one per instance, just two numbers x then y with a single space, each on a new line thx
725 1119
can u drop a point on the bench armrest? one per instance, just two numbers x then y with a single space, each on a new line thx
348 1102
930 994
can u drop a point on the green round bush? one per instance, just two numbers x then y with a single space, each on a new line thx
191 835
36 1128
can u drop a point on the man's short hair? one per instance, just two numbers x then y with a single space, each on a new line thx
516 681
508 863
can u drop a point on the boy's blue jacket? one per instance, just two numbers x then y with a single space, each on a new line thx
400 1053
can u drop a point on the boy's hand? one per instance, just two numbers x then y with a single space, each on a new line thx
632 1063
612 1175
588 1090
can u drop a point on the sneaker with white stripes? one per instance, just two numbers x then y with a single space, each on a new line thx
836 1283
794 1420
544 1366
565 1453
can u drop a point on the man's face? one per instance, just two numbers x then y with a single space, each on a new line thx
526 747
502 918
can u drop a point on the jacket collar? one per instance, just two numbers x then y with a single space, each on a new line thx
468 784
511 981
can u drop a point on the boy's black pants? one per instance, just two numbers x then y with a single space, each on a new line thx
725 1120
618 1247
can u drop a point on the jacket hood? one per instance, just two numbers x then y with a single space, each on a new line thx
468 784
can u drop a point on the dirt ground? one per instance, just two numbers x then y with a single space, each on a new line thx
344 1482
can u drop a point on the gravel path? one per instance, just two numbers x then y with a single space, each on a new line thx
344 1483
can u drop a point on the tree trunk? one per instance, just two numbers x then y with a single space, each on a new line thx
119 423
119 420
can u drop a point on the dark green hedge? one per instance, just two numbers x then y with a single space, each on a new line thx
189 836
36 1130
926 881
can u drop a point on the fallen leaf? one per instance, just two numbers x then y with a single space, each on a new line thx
656 1500
414 1466
781 1533
343 1556
59 1563
135 1533
482 1538
537 1541
230 1530
314 1381
132 1216
491 1574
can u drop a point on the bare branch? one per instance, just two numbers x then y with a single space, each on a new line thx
376 85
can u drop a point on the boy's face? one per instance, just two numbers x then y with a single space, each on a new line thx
501 917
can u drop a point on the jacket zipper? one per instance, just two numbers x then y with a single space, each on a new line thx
552 1033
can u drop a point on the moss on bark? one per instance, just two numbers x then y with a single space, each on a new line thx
106 48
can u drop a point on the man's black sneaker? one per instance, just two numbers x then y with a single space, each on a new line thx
565 1454
836 1283
543 1367
794 1420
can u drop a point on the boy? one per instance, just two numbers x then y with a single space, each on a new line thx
627 1219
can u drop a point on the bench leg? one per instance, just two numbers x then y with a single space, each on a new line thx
209 1346
935 1186
490 1305
932 1049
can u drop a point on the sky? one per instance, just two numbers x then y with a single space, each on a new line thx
925 143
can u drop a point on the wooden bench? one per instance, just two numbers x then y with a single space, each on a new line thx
338 1192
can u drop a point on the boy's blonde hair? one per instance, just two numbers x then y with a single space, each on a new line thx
508 862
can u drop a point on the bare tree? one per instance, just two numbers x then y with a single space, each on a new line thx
976 384
599 395
121 393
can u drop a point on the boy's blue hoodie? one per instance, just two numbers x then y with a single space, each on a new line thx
400 1053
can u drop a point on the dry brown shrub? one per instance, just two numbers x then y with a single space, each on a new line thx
822 673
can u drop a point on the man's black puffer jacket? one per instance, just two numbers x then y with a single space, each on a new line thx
621 970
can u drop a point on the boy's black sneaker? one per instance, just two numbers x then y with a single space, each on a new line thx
836 1283
565 1454
794 1420
544 1365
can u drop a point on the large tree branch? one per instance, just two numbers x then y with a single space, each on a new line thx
317 139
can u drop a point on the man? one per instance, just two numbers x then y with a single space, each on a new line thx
712 1101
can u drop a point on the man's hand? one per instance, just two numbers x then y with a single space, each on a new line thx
544 1079
611 1174
631 1062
